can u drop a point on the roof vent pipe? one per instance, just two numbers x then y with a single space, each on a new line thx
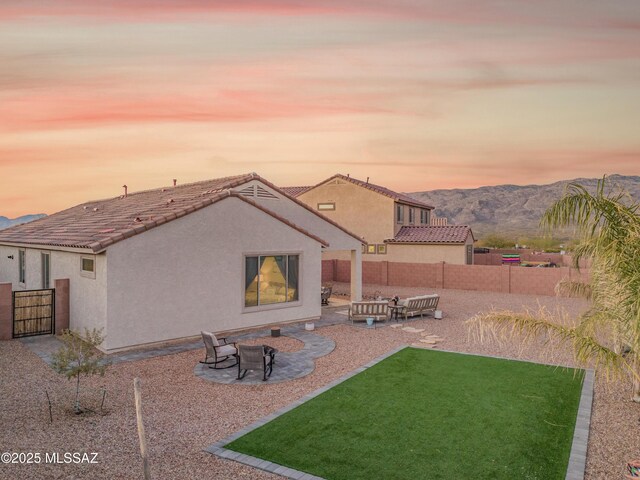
125 190
367 180
174 182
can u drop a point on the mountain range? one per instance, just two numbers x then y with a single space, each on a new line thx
509 209
9 222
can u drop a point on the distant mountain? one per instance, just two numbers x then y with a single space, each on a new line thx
509 209
9 222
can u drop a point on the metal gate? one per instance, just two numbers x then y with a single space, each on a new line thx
33 312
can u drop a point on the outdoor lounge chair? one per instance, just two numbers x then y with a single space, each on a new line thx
378 310
419 305
254 357
219 350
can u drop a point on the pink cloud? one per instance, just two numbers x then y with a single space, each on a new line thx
460 12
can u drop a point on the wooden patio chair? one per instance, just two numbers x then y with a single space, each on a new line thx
219 350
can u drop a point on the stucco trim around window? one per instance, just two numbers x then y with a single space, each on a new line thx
399 213
277 275
326 206
88 266
22 267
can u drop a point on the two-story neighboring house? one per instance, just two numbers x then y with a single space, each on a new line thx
396 227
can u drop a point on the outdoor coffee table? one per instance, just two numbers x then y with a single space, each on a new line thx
396 310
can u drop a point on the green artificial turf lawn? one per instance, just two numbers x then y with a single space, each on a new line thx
423 414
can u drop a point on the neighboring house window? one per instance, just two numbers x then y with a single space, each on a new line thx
412 215
88 267
46 269
423 217
271 279
326 206
399 213
364 248
382 249
22 267
371 249
469 254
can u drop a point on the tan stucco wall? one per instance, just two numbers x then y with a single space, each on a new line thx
292 211
361 211
188 275
87 296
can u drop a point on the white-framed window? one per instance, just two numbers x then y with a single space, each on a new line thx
88 266
45 260
271 279
326 206
22 266
399 213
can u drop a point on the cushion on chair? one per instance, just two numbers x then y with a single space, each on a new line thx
224 350
213 338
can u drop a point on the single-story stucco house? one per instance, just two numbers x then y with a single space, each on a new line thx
163 264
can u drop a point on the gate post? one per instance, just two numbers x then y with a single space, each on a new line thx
62 305
6 313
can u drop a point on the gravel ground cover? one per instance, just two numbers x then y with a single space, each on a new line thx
184 414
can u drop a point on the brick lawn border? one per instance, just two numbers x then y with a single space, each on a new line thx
577 457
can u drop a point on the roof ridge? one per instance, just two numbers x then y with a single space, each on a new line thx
182 185
387 192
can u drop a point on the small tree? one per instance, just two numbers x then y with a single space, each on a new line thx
79 356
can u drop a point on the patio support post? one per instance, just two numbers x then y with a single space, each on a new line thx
6 314
356 275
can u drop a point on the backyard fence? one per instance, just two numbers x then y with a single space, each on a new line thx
33 312
491 278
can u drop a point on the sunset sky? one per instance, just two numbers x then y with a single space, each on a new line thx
416 95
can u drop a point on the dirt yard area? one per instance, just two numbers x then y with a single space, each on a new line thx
184 414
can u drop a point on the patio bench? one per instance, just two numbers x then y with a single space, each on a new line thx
360 311
419 305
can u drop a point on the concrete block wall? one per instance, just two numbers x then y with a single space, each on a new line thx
488 278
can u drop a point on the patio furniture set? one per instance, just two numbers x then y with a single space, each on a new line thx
247 357
383 310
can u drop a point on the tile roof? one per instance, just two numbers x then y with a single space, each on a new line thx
99 224
398 197
432 234
295 191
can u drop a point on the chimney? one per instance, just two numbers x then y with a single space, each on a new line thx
367 180
125 190
175 181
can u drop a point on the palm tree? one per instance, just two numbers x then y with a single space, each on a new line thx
607 226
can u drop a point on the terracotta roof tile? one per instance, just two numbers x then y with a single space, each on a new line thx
398 197
295 191
99 224
432 234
